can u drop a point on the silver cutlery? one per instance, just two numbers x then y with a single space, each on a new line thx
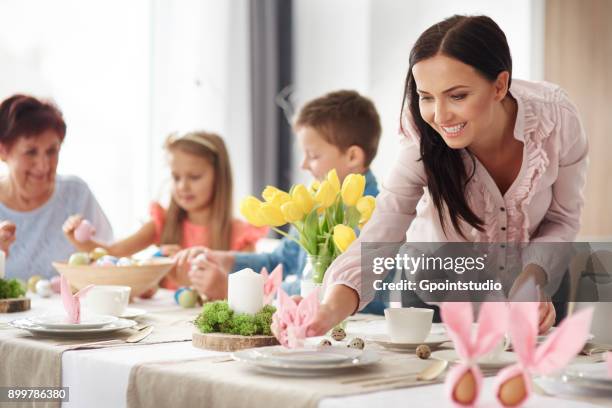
432 371
141 329
141 335
429 373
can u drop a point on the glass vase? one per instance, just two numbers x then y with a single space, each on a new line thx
312 276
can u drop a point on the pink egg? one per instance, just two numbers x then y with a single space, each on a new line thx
84 231
55 284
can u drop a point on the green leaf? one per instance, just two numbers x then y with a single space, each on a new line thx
352 217
310 232
340 213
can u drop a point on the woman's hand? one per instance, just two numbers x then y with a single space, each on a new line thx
70 225
547 316
7 235
534 274
340 302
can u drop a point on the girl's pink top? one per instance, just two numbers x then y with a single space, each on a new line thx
542 205
243 236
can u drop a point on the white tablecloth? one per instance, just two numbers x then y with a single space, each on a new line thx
99 378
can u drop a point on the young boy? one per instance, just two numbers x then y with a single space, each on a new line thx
339 130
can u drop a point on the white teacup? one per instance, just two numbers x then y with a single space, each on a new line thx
107 299
408 324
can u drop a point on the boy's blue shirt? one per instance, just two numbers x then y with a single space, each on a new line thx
293 258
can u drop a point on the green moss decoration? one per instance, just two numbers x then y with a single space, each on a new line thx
11 288
217 317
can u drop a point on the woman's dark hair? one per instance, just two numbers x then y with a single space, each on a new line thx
26 116
476 41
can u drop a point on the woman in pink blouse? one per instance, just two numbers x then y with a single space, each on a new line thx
487 158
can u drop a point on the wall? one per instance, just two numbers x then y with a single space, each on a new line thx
578 57
365 44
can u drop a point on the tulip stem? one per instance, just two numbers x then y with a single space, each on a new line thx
284 234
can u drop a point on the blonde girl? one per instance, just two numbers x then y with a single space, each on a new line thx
200 207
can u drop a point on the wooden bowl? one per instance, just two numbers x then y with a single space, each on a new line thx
138 277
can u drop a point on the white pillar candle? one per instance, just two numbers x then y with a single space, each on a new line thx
2 265
245 291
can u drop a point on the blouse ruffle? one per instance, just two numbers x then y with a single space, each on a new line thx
537 128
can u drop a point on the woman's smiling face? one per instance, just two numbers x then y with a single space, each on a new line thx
455 99
32 163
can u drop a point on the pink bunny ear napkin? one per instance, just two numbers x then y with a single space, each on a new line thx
464 381
291 320
513 384
272 282
72 303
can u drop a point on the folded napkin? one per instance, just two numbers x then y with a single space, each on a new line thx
272 282
609 362
464 380
513 384
72 303
291 320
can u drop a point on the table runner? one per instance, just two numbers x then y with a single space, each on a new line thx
233 384
35 361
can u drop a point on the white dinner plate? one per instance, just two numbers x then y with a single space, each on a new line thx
542 337
589 380
60 321
595 373
254 358
320 355
433 341
132 313
505 359
34 328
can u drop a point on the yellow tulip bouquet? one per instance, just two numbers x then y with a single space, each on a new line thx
325 215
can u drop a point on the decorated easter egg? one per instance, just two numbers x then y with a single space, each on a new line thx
188 298
125 262
338 333
325 343
97 253
423 351
32 282
56 283
84 231
178 292
79 258
107 260
43 288
466 389
356 343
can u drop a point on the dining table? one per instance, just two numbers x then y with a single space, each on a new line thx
166 368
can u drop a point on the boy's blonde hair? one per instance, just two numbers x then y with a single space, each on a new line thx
344 119
212 148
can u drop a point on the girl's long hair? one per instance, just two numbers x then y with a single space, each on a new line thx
476 41
212 148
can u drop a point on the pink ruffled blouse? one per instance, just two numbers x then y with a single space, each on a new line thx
543 204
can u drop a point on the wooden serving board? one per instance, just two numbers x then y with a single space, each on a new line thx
14 305
230 342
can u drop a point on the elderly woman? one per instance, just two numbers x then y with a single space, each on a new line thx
34 200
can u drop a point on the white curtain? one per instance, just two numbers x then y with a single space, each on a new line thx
125 74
